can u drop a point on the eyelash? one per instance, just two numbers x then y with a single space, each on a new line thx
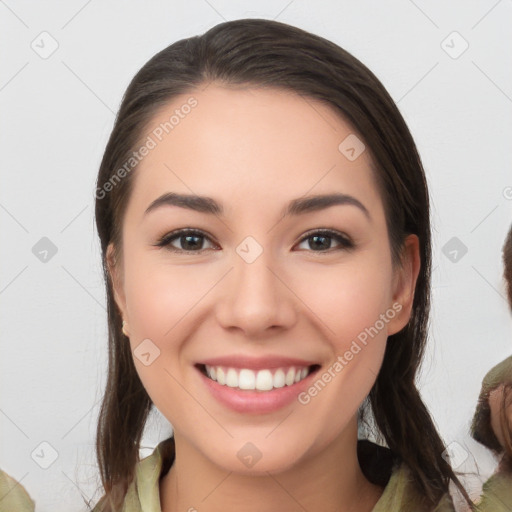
345 242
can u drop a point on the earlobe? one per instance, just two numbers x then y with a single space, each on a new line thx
405 280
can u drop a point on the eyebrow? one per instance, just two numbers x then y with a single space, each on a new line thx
298 206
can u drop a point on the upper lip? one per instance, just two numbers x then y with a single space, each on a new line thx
257 363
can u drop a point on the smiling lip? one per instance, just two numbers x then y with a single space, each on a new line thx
255 401
257 363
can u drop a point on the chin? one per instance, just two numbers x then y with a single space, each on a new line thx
255 458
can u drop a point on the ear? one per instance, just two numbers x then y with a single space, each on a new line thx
115 274
404 284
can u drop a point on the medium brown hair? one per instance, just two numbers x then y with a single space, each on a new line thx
482 429
506 427
264 53
507 264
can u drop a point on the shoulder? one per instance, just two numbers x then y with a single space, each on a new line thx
400 493
497 493
143 494
13 495
378 463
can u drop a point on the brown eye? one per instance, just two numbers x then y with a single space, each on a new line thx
321 241
184 240
193 240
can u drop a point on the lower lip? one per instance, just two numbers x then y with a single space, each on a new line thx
256 402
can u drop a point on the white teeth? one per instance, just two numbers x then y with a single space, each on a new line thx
221 376
246 379
262 380
279 378
231 378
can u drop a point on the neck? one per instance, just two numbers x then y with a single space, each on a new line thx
330 480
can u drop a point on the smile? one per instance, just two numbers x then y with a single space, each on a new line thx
259 380
256 391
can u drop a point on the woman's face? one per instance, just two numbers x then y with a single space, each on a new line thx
496 397
258 291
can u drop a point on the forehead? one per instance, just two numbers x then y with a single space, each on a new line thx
251 142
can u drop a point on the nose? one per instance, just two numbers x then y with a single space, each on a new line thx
256 298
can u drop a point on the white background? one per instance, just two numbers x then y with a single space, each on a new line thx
57 114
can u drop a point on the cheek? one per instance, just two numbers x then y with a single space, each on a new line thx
354 304
159 295
349 300
345 302
161 300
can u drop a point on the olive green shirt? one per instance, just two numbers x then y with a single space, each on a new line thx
497 491
497 494
13 496
399 494
144 493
